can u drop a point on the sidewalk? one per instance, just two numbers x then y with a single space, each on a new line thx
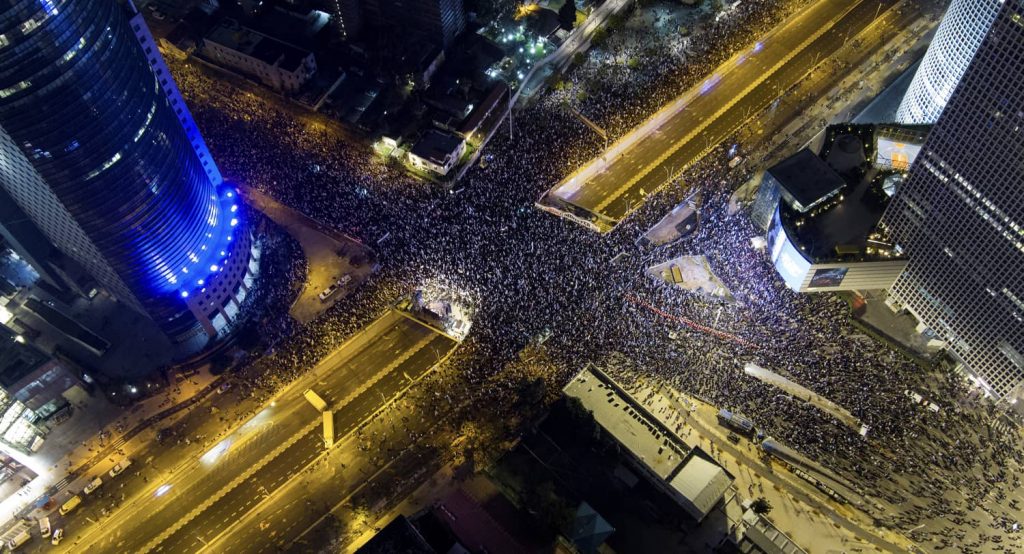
112 430
329 255
814 523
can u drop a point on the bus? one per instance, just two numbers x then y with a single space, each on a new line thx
736 422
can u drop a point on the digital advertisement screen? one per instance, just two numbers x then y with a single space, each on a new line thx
828 277
897 155
790 264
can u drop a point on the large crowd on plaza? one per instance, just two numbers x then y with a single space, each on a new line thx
530 273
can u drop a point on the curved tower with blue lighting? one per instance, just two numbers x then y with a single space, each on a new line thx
98 148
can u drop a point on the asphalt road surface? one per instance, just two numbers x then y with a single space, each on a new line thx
186 501
685 130
293 459
388 472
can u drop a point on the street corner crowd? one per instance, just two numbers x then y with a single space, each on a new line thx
529 274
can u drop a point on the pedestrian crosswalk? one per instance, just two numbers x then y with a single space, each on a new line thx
1000 425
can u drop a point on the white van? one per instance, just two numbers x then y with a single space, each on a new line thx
44 527
71 504
93 485
335 287
328 292
19 540
120 467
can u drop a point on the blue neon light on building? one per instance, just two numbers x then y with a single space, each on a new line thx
116 174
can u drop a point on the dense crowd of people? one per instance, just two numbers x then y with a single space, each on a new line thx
529 274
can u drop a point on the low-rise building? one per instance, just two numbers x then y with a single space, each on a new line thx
419 61
687 475
824 231
755 534
437 152
277 64
33 386
802 181
495 97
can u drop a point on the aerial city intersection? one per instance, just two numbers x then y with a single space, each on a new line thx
476 276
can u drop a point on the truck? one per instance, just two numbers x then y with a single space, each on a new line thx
19 539
319 403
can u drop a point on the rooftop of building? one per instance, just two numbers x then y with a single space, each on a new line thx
759 530
474 526
643 438
417 56
436 145
231 34
806 177
543 22
496 94
292 24
701 480
16 358
690 472
398 536
846 226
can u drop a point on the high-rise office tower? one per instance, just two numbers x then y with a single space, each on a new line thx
98 149
957 39
438 20
960 214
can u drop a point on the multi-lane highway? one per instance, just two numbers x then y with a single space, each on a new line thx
612 185
193 501
351 486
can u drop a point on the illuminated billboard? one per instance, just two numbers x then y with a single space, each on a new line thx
895 155
828 277
788 260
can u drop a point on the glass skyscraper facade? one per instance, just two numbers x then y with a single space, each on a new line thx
957 39
440 21
960 214
99 150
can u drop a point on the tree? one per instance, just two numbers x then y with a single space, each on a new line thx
220 362
761 505
567 15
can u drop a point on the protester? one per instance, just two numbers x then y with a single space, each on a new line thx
528 273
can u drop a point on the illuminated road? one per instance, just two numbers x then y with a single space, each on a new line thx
392 467
639 163
267 450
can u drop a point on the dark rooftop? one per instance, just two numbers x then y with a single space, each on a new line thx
278 53
397 537
17 359
842 228
806 177
269 50
543 22
435 145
